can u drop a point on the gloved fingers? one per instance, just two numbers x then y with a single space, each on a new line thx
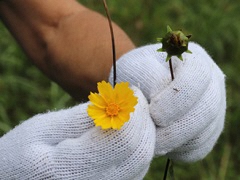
109 154
53 127
195 121
195 154
140 67
198 147
192 78
201 145
136 164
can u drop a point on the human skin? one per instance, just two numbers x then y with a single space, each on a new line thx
68 42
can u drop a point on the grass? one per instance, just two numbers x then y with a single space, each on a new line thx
213 24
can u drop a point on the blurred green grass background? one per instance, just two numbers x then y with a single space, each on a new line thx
214 24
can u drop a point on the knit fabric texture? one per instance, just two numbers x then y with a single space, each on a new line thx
189 111
66 145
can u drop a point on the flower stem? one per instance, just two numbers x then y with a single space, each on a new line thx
166 169
171 69
113 42
168 160
169 167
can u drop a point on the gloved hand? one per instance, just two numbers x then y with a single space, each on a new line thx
67 145
188 112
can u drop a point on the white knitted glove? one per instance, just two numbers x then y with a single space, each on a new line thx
189 112
66 145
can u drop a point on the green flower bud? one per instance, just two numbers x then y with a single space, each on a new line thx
174 43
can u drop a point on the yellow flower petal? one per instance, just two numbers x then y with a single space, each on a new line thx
127 108
105 122
95 112
97 100
106 91
124 116
122 91
117 123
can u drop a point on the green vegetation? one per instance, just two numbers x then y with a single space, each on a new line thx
215 24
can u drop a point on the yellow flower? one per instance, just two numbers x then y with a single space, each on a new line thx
111 108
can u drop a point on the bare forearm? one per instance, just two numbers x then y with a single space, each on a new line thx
68 42
33 22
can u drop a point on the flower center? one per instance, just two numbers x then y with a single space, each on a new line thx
112 109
